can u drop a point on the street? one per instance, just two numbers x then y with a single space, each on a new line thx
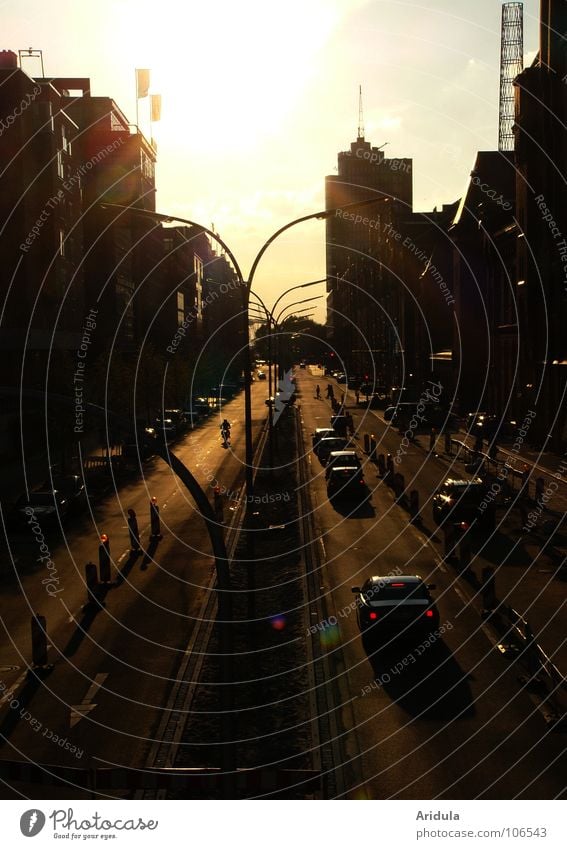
445 720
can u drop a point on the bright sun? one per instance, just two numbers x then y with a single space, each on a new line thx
229 72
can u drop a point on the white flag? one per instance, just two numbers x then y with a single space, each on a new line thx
155 100
142 82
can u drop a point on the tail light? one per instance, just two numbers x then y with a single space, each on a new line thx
373 615
429 613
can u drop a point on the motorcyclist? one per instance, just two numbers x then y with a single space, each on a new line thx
225 430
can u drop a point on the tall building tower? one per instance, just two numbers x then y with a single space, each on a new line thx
362 303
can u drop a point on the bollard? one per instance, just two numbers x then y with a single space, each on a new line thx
432 439
399 485
104 559
449 538
539 487
464 554
91 580
381 465
390 470
133 531
414 505
366 444
372 453
155 523
488 590
448 444
39 640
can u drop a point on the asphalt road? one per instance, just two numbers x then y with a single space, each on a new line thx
112 671
448 720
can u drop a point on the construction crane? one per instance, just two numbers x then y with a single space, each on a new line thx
511 64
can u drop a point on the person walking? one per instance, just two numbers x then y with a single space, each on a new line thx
155 522
357 396
318 392
133 531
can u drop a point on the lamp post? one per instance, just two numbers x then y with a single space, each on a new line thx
246 287
272 325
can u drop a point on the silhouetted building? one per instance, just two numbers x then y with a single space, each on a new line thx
364 300
541 285
485 334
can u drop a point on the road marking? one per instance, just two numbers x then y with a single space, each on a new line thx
13 688
86 706
466 601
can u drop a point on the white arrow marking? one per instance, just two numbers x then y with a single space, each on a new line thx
86 706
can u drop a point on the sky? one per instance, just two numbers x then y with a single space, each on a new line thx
259 97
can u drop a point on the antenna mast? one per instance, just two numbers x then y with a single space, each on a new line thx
360 116
511 64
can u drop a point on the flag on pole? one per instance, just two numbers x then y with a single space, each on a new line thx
142 82
155 100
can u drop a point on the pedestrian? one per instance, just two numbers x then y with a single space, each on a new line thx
350 424
478 443
133 531
318 392
342 399
357 396
155 522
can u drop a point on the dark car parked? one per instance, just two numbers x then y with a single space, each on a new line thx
347 482
346 459
321 433
328 444
391 605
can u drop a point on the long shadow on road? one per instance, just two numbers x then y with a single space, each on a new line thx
426 681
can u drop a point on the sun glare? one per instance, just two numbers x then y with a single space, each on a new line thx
229 74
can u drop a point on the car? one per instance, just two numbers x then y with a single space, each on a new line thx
71 487
328 444
347 482
395 604
339 424
346 459
319 434
45 505
262 375
461 502
391 413
341 377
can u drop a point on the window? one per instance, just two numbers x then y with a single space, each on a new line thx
60 166
180 308
198 268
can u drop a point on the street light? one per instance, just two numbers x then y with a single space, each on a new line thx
246 286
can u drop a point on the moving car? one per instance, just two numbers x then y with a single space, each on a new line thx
395 604
262 375
459 501
347 482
